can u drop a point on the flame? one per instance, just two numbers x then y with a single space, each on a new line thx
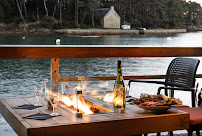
115 98
118 101
109 97
67 101
71 101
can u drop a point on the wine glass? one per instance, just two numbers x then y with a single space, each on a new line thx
127 90
54 98
104 86
38 92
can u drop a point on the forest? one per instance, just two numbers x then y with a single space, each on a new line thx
56 14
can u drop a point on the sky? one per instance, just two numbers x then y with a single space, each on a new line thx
198 1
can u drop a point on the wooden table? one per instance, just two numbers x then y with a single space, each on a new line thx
134 121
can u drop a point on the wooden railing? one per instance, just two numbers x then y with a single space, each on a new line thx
94 51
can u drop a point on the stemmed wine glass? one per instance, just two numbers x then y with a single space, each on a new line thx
127 90
54 98
104 86
38 92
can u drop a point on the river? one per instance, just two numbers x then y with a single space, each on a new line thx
18 76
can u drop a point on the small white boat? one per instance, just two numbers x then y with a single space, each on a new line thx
125 26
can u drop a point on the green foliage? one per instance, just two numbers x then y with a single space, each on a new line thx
86 11
155 13
2 14
5 10
49 22
138 13
193 13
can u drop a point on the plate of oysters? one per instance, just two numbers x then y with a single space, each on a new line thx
157 103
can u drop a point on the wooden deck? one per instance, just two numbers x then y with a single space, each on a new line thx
134 121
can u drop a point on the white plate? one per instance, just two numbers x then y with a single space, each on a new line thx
155 108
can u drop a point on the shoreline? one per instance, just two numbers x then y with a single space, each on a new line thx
90 32
118 31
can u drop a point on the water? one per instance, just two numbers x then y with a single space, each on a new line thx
18 76
184 39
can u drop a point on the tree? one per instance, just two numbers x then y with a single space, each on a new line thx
46 9
25 9
60 7
193 12
160 13
89 5
5 10
92 5
71 13
76 13
19 10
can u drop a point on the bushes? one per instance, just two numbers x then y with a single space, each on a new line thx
49 22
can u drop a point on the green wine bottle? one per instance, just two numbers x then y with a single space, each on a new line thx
119 89
119 77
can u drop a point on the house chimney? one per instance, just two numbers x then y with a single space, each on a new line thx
112 7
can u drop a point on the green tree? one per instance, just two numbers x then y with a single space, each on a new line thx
71 13
175 13
193 12
89 5
5 10
159 13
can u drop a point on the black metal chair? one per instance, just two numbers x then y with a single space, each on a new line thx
180 76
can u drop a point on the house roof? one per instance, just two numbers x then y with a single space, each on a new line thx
102 12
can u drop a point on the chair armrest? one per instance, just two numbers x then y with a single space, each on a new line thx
146 81
176 88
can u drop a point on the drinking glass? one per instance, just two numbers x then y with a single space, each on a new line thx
38 92
104 85
54 98
127 90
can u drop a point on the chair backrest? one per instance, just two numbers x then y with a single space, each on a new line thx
181 72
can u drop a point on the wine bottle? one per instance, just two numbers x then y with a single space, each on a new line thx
119 77
119 88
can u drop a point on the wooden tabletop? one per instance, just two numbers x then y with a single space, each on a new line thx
134 121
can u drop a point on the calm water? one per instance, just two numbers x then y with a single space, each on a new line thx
188 39
18 76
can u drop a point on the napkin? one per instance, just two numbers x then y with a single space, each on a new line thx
39 116
130 99
27 106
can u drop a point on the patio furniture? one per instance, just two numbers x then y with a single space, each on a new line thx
186 74
180 76
13 116
195 119
134 121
